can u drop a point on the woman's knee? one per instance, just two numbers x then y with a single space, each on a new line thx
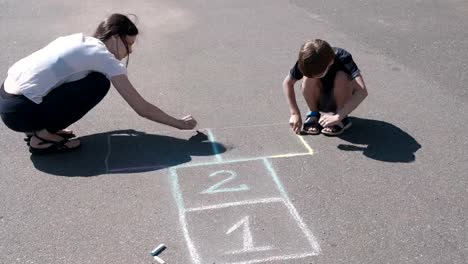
22 122
98 85
99 79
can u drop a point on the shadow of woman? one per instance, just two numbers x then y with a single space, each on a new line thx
384 141
126 151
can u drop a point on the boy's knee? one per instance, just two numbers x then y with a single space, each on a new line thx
342 77
310 84
342 82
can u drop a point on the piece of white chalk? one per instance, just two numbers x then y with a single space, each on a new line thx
158 250
159 260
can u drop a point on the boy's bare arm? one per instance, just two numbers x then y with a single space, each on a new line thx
359 94
288 88
295 120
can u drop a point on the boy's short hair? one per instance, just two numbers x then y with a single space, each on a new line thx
314 57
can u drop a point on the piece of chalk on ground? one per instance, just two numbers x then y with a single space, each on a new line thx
158 250
159 260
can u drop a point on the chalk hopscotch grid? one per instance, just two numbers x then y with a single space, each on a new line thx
219 160
127 169
284 198
217 155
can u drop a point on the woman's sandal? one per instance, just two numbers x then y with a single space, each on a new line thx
65 135
311 125
55 147
337 129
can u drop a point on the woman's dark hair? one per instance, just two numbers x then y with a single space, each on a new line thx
116 24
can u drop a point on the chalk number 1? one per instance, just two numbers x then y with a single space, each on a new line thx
248 244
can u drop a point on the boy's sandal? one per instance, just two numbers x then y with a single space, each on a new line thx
311 125
55 147
337 129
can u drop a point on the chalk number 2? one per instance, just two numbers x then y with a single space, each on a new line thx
216 188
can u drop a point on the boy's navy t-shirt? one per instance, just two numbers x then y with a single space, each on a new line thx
343 62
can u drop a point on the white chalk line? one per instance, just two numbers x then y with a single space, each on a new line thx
240 160
139 168
312 240
306 145
212 139
289 155
245 126
181 206
225 205
275 258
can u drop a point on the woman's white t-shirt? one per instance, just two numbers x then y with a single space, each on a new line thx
66 59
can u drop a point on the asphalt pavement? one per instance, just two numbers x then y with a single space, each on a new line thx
245 189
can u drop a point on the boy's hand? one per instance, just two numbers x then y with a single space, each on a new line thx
187 122
295 122
329 120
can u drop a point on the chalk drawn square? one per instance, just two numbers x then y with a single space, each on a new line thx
248 233
134 151
211 185
259 141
